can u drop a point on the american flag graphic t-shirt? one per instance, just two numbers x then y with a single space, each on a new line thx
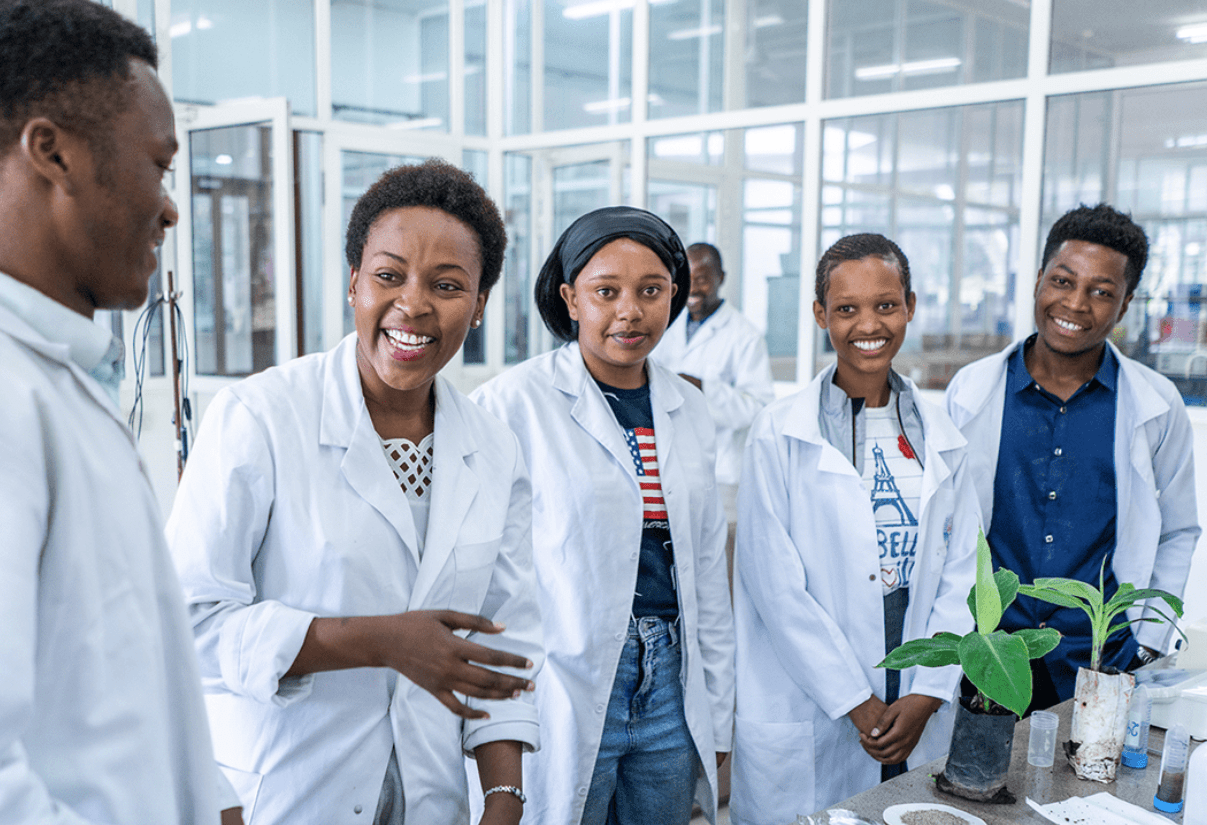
655 593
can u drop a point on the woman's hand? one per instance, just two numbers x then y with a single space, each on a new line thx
499 765
899 728
421 645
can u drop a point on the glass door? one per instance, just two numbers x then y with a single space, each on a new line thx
236 208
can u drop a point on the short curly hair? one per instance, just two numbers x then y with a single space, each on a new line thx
1106 226
440 185
856 248
68 61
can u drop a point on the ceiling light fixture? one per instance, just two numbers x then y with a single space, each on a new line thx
914 67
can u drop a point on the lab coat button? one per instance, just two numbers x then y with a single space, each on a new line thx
619 636
582 791
599 708
357 809
872 577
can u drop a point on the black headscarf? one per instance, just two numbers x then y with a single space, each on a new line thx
591 233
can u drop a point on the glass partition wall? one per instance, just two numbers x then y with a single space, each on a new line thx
961 128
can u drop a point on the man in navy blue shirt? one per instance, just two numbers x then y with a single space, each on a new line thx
1081 456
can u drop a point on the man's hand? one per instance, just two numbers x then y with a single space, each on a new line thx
867 715
899 728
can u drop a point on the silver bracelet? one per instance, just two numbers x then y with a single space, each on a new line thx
511 789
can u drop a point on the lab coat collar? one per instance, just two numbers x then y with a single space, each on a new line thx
591 410
721 317
346 424
21 329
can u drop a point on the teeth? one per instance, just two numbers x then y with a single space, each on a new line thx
1067 325
868 346
406 339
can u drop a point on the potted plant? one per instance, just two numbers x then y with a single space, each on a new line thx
997 664
1100 699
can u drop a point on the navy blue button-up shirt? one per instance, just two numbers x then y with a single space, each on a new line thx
1054 506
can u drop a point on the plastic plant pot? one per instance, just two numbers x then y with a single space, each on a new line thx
979 759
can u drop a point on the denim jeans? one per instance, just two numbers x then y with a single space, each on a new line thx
645 773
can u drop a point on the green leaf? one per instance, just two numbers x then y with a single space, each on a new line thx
1007 589
937 652
1072 587
1052 596
988 599
997 666
1132 596
1039 642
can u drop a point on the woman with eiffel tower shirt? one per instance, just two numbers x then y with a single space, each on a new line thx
857 526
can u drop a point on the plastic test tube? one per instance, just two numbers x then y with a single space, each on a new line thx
1173 770
1135 744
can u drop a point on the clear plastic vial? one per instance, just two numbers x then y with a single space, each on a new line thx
1135 744
1173 770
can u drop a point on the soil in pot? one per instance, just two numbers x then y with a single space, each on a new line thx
1095 743
979 759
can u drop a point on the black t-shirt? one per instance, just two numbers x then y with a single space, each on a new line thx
655 595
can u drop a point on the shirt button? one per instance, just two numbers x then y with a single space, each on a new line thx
1063 409
1052 495
1042 625
1048 539
1058 451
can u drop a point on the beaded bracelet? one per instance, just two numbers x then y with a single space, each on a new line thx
511 789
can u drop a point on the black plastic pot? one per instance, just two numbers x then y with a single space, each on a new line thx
980 756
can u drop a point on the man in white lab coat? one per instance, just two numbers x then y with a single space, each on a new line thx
101 716
713 346
1080 455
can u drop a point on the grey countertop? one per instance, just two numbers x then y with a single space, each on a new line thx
1044 785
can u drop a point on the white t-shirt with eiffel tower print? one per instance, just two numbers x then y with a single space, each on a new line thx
894 478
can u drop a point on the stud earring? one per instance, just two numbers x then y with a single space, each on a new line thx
476 323
349 300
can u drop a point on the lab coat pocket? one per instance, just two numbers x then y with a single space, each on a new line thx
773 771
474 565
247 787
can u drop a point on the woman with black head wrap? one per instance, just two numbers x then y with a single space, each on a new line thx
636 699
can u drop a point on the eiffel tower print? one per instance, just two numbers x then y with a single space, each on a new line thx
886 494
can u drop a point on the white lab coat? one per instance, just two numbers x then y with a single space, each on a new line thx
1157 523
288 510
729 356
587 521
101 716
809 608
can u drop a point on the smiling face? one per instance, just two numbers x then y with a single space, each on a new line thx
119 210
414 296
622 302
866 313
1079 297
705 295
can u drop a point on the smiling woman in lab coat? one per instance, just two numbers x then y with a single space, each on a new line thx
341 516
857 523
636 698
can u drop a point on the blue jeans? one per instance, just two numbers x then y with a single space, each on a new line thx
645 772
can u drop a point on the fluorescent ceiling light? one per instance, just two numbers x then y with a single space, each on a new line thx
701 32
768 20
1196 33
1186 142
597 107
224 160
914 67
418 123
425 78
595 8
186 26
